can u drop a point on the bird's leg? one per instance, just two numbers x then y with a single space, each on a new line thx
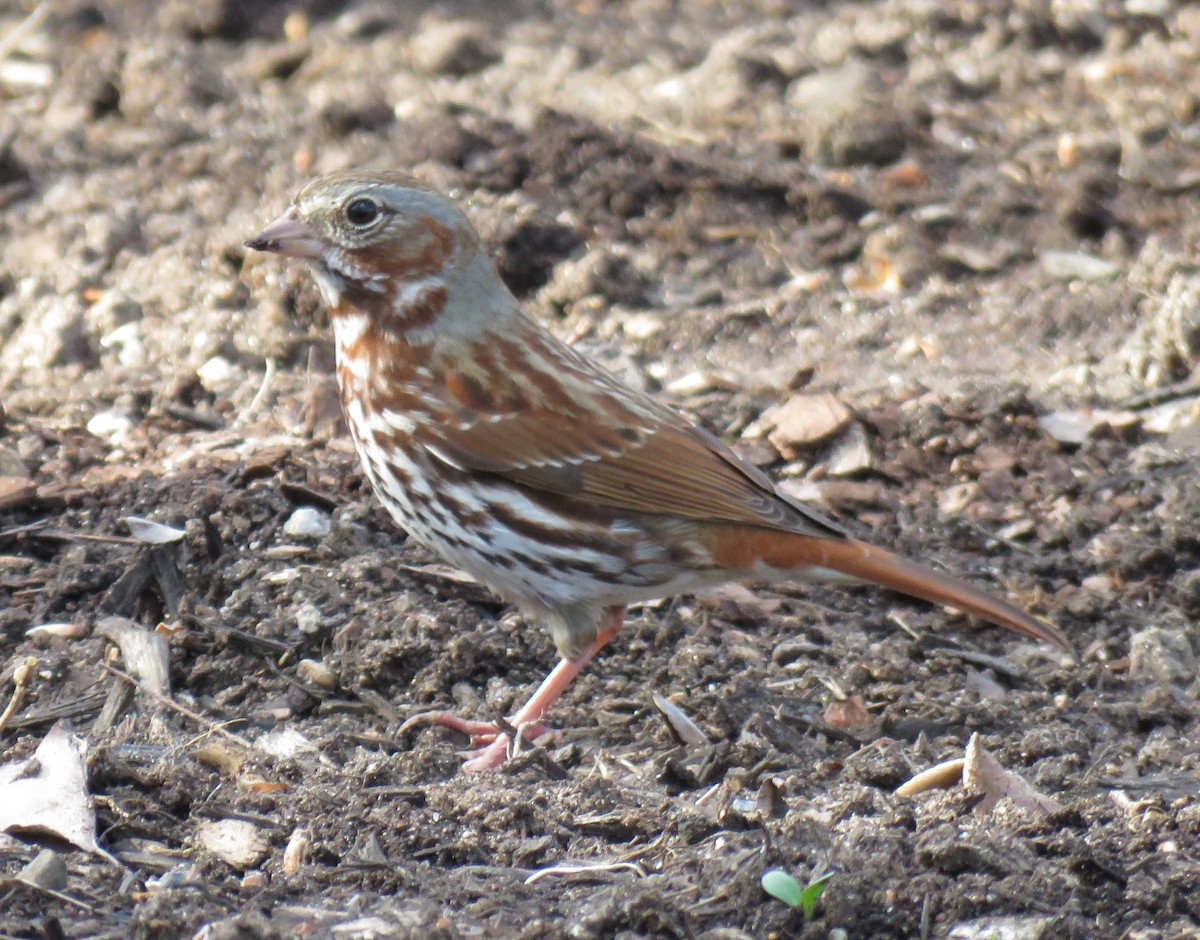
528 716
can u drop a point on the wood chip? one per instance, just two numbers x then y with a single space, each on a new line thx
295 853
220 756
16 492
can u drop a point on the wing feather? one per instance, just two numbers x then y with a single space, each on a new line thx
543 416
665 466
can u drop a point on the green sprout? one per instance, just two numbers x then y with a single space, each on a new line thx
782 886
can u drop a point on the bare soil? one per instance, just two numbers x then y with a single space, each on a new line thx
973 222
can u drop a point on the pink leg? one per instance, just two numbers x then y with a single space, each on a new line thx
527 718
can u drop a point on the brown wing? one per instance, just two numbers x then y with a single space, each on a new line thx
629 461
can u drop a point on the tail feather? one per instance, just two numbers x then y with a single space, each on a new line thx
880 567
787 551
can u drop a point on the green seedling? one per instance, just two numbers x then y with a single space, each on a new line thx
782 886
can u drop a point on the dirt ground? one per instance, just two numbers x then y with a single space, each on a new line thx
975 223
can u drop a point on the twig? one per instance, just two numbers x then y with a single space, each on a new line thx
268 380
18 33
21 676
212 726
1158 396
586 869
57 894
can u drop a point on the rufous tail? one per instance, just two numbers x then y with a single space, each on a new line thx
742 547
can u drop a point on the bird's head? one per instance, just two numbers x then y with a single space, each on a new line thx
378 241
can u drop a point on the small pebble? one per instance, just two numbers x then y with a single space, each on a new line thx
110 425
238 843
307 523
285 743
215 373
309 619
316 673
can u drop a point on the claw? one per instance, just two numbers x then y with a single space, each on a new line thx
488 758
492 738
486 736
480 732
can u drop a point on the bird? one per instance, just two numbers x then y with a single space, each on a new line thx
520 461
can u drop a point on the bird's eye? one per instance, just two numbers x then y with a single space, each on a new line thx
362 212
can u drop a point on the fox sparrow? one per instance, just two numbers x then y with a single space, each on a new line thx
518 460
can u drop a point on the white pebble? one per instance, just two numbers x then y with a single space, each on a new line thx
110 425
309 619
215 373
307 523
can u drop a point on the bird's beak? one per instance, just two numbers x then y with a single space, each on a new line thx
289 235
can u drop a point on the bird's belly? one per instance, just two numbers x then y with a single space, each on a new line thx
524 550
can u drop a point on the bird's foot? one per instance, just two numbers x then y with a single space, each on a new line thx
491 740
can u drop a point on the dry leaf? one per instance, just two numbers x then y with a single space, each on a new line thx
47 793
983 774
849 712
146 653
682 727
152 533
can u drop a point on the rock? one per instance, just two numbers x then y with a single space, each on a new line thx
309 619
1016 927
16 492
53 333
307 523
847 118
216 374
111 425
1075 427
456 49
238 843
805 420
315 672
852 455
1077 266
1163 656
113 310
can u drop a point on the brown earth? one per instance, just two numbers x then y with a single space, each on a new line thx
975 222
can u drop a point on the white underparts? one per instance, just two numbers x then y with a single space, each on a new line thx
348 329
